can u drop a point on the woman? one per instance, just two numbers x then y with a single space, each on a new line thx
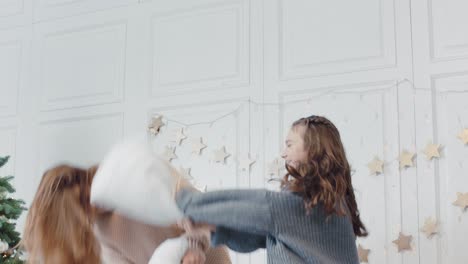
63 227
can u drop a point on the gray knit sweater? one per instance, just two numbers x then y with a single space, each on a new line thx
250 219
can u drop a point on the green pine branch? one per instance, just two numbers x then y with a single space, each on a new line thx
10 210
5 185
4 160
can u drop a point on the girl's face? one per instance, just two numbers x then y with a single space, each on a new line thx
294 152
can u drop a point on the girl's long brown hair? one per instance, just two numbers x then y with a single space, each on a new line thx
326 176
59 225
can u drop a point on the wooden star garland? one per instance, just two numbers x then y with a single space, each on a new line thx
179 136
403 242
430 227
363 254
155 125
432 151
220 155
375 166
463 136
274 167
169 154
203 189
462 200
406 159
198 146
185 173
246 162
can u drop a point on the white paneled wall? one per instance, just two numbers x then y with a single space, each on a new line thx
78 75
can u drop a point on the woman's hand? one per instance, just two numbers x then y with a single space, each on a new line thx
194 256
190 227
198 235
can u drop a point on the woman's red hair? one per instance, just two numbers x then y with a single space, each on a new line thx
59 225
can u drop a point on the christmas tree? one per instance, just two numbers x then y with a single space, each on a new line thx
10 210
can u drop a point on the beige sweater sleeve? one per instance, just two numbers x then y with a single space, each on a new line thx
218 255
182 183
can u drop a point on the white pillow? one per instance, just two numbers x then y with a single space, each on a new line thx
170 251
134 182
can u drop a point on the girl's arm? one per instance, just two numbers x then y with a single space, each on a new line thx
246 211
238 241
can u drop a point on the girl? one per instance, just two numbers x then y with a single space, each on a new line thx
63 227
314 219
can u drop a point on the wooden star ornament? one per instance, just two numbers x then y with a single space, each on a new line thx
179 136
220 155
363 254
274 167
463 136
203 189
375 166
246 162
169 154
432 151
462 200
403 242
155 125
430 227
198 146
406 159
185 173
